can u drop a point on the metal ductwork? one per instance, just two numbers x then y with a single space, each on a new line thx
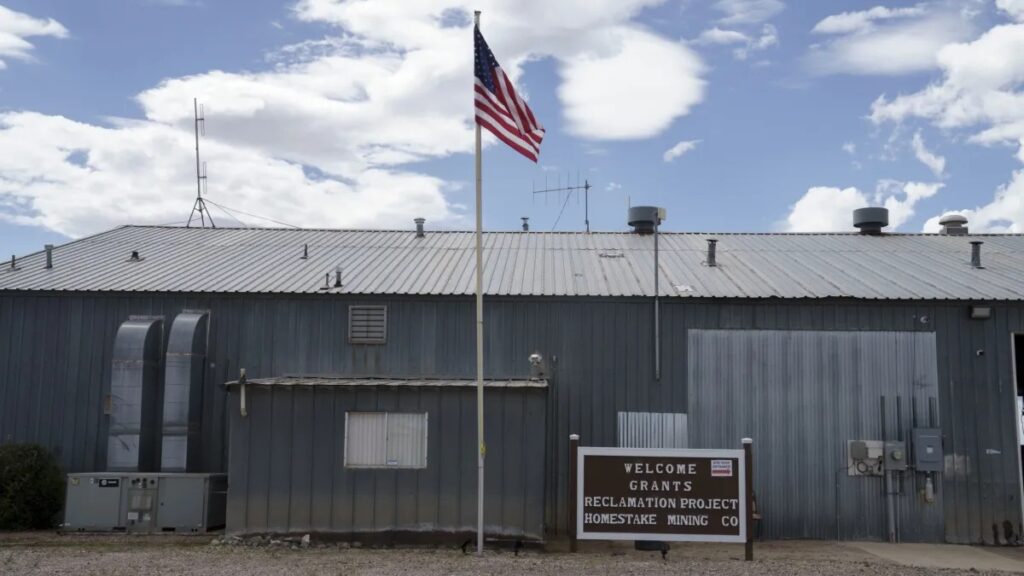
644 219
133 437
953 225
871 220
185 369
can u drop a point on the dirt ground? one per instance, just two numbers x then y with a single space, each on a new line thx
49 553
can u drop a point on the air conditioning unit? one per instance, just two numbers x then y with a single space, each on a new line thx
145 502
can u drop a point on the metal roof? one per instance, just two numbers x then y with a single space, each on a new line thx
264 260
414 382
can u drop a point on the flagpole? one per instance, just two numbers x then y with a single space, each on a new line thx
479 340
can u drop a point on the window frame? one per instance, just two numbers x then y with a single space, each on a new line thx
386 466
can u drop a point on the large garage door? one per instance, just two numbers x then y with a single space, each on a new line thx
802 395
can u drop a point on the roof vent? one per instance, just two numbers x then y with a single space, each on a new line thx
419 227
644 219
953 225
711 252
49 255
134 256
526 223
871 220
337 277
305 252
14 262
976 254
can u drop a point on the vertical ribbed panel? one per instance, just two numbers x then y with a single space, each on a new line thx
133 441
801 396
652 430
185 367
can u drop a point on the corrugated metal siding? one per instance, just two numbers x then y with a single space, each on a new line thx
892 267
55 353
652 430
287 471
801 396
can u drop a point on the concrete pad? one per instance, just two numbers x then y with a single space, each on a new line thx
942 556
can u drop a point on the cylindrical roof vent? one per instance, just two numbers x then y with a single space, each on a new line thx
976 254
643 219
526 223
871 220
49 255
419 227
953 225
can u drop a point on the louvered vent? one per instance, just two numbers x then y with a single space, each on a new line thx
367 324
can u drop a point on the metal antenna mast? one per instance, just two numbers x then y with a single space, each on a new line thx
585 188
200 204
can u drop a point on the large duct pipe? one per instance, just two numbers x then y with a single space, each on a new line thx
183 393
133 437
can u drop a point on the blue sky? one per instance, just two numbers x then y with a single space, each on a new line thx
784 116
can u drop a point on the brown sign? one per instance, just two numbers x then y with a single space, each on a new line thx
661 494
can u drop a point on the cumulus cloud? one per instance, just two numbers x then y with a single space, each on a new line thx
1013 8
979 92
748 11
743 44
16 27
679 149
850 148
885 41
328 133
830 209
934 162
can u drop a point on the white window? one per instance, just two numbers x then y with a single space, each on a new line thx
385 440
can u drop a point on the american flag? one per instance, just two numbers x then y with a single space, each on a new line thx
499 109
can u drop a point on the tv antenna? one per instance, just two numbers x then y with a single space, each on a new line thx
200 204
569 189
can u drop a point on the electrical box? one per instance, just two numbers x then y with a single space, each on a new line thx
865 457
895 456
928 455
145 502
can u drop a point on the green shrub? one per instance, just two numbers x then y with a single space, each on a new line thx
31 487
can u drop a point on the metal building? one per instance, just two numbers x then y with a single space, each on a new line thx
358 346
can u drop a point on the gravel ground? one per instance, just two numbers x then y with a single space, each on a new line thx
40 553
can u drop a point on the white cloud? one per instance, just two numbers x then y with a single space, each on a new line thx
1004 214
679 149
884 41
325 135
850 148
637 104
613 186
15 27
748 11
1014 8
721 37
848 22
830 209
934 162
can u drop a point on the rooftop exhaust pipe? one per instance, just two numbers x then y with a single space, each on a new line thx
419 227
135 256
953 225
871 220
14 262
305 252
976 254
526 223
711 252
49 255
645 220
337 277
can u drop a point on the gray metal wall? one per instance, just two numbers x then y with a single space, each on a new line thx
287 471
55 352
803 395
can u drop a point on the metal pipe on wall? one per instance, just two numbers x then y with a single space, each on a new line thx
657 308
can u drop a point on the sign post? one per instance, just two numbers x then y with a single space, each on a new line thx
748 466
574 445
669 495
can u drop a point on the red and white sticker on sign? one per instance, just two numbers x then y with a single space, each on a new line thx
721 468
